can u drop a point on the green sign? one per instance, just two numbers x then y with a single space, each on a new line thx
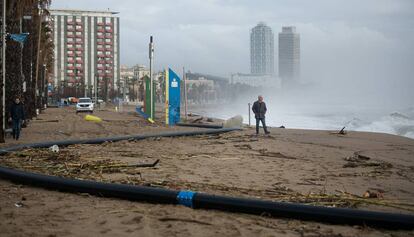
147 101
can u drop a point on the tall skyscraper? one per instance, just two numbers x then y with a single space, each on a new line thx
262 50
86 49
289 55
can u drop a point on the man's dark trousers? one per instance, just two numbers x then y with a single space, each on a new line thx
263 123
17 125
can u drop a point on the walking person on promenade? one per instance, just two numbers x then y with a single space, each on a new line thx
259 110
17 117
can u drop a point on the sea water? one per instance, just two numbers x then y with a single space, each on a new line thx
325 117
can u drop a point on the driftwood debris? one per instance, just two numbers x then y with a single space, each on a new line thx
197 120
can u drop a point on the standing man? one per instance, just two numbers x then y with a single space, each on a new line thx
17 116
259 110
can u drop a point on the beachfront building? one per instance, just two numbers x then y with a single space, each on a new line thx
255 80
140 71
262 50
86 52
289 56
201 90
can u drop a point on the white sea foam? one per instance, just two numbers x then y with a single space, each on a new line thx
329 118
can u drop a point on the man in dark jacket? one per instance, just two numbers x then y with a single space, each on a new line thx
259 110
17 116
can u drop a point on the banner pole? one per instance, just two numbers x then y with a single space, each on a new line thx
167 96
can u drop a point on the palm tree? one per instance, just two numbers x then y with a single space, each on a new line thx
23 58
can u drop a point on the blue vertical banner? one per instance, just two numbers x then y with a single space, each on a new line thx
172 94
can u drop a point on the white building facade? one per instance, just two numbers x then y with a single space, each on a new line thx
262 50
86 49
289 55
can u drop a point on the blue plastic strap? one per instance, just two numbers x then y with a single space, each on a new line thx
185 198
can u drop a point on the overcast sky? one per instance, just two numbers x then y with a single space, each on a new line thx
358 42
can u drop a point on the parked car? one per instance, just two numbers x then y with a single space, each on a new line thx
84 105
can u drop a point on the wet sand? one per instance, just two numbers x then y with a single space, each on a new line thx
313 167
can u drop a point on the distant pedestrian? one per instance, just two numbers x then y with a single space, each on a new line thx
17 117
259 110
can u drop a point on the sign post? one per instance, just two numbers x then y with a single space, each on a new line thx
172 95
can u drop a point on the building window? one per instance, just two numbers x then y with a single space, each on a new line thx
100 20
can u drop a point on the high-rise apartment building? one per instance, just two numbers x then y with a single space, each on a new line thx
289 55
86 51
262 50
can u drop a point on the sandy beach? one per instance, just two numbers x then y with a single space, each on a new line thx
360 170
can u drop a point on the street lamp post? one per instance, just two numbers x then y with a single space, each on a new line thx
151 57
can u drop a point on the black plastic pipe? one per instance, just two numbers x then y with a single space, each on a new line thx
114 139
206 201
198 200
198 125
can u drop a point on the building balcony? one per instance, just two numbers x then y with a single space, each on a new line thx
100 55
100 36
108 36
101 74
70 22
79 36
79 74
70 67
108 61
79 29
109 49
79 23
100 68
101 61
79 49
100 43
70 29
70 54
100 24
108 24
71 61
79 61
70 36
108 30
100 30
71 74
109 43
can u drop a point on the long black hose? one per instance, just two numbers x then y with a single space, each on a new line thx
114 139
200 200
206 201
